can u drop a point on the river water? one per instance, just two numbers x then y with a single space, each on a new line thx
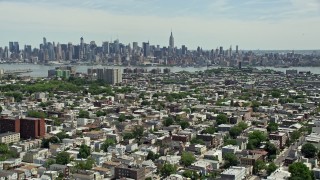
42 70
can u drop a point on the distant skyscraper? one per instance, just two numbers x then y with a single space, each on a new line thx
146 49
44 42
171 41
237 49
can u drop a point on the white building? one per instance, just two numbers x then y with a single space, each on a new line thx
9 137
234 173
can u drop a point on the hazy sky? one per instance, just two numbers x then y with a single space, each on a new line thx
252 24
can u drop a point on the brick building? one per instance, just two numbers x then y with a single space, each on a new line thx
27 127
123 171
9 124
32 128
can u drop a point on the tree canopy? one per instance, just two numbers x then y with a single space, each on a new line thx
299 170
187 158
84 151
168 169
309 150
222 119
63 158
230 160
107 143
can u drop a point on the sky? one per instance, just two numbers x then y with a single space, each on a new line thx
251 24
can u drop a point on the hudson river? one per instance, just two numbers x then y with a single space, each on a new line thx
42 70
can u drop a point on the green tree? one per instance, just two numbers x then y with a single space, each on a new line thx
271 168
197 141
230 160
122 118
85 165
309 150
138 131
100 113
242 125
49 162
1 109
295 135
271 149
222 119
128 135
107 143
209 130
168 121
259 165
63 158
4 149
187 158
255 139
168 169
152 156
235 131
184 124
187 173
84 151
275 94
62 135
36 114
299 170
272 127
83 114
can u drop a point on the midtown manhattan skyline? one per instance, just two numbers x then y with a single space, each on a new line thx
253 24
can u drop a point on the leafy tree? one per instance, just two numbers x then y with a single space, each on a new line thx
85 165
299 170
235 131
63 158
309 150
62 135
187 174
266 103
100 113
209 130
271 168
138 131
272 127
184 124
259 165
222 119
168 121
230 160
122 118
36 114
107 143
275 94
230 141
271 149
152 156
242 125
187 158
295 135
84 151
50 162
255 139
197 141
168 169
128 136
1 109
83 114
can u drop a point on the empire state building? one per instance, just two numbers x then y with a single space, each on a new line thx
171 41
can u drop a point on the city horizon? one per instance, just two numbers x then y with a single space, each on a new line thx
272 25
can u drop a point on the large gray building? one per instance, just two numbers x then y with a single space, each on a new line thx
110 76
